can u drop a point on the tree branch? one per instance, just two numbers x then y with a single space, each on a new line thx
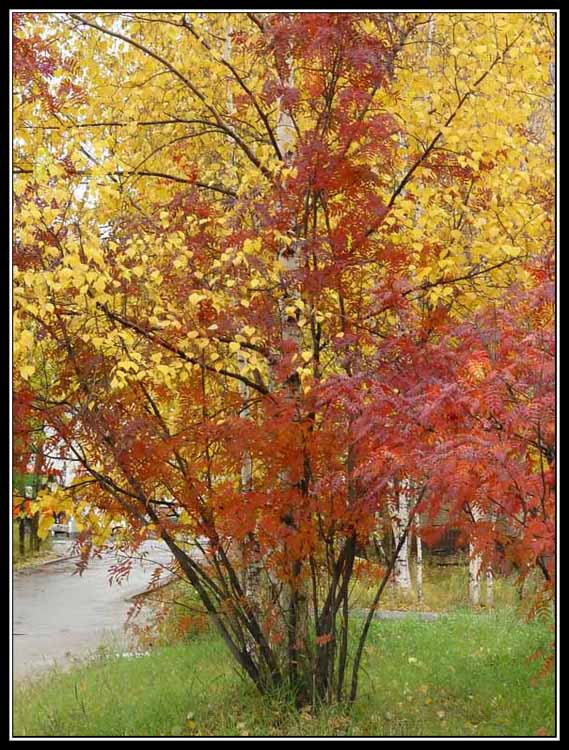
258 386
189 85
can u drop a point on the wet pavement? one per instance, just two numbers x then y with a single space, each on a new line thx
57 615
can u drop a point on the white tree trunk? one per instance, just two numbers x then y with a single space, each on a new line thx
475 563
290 258
399 520
419 560
474 567
250 557
489 587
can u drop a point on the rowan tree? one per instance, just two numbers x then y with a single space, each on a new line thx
276 265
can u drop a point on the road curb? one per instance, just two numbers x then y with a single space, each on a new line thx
31 568
142 592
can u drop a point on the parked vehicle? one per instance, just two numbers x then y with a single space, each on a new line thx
64 526
59 529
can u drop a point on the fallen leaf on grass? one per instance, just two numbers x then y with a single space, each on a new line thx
338 722
542 732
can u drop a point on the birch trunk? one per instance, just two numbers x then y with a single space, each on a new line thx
419 560
475 570
250 556
399 520
250 553
474 564
294 600
489 587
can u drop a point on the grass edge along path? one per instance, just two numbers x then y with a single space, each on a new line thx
466 674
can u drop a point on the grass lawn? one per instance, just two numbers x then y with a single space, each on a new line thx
467 674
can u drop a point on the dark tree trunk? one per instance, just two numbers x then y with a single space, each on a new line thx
35 541
22 536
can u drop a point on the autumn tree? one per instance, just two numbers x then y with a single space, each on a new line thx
271 270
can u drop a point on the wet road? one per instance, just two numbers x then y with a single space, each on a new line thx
58 615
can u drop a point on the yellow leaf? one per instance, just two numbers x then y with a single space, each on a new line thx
252 246
27 371
26 339
100 284
45 524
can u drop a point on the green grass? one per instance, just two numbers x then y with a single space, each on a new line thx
467 674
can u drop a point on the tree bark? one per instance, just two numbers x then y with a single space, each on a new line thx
250 553
489 587
35 541
22 537
399 520
474 567
419 559
295 599
475 563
